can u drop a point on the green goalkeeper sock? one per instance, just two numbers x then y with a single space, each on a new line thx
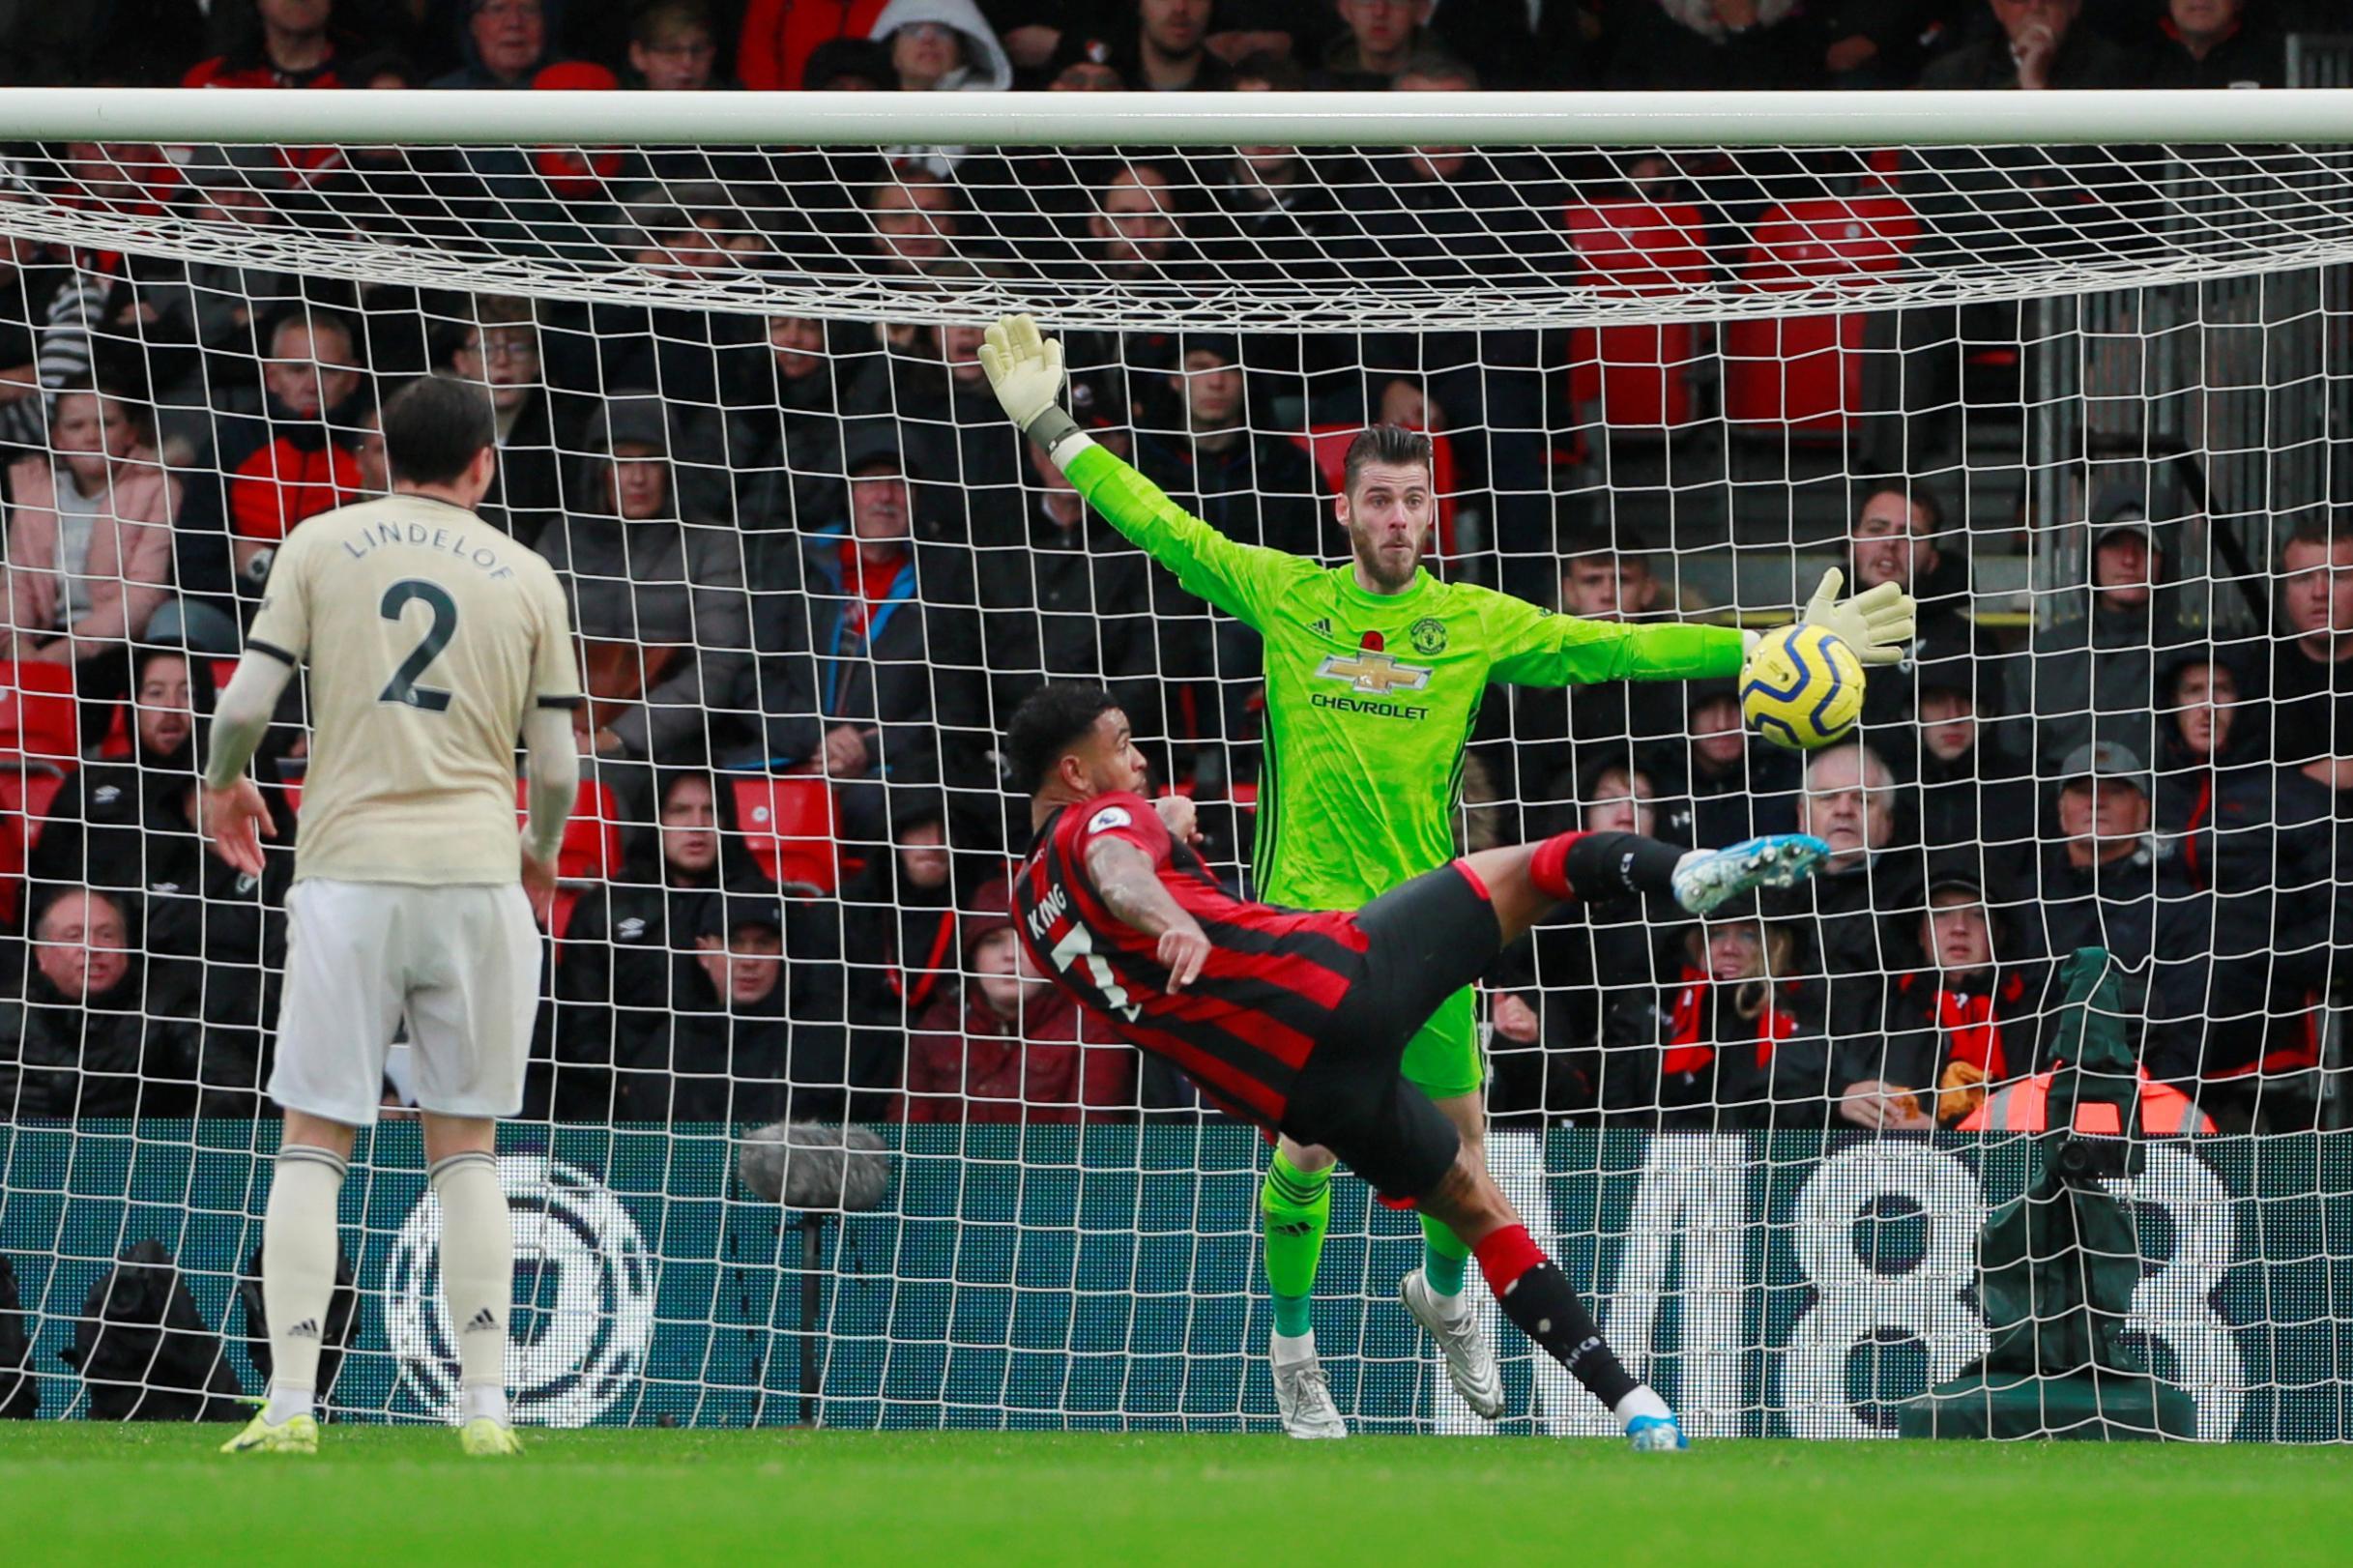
1297 1206
1444 1259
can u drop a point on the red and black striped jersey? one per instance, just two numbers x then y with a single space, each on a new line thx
1245 1027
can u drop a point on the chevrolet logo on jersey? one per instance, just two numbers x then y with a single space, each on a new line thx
1369 671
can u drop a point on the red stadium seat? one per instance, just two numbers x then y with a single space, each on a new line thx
1327 445
591 851
1639 377
790 827
40 744
1806 372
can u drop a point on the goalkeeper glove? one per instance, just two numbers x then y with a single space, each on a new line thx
1876 623
1025 372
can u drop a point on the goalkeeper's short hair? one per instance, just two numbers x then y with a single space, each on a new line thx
1385 444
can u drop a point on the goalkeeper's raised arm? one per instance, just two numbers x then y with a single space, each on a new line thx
1388 531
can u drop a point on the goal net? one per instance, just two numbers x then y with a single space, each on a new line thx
2082 390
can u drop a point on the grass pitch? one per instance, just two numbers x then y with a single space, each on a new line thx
79 1493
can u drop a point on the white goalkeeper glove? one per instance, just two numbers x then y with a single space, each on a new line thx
1025 370
1876 623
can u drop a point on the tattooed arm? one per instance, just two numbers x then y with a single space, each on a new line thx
1127 881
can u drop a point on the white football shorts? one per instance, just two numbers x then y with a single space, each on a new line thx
461 964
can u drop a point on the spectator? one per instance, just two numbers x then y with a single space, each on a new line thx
106 827
916 216
504 45
618 963
293 461
859 673
785 439
1084 64
500 349
898 918
2106 884
1878 42
1172 48
2093 676
1708 46
1382 35
780 38
1275 218
1010 1046
942 45
86 1045
1853 804
1069 600
1556 736
2207 740
2208 44
1896 539
89 539
288 45
1254 487
849 65
928 387
1961 1020
1974 799
1594 961
217 946
2311 683
2039 46
1737 788
1135 234
747 1045
1715 1048
673 48
657 583
50 311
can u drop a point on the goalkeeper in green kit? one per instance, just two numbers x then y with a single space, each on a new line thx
1375 672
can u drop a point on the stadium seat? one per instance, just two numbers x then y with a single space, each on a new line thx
1806 372
40 744
1638 377
1327 445
789 824
591 851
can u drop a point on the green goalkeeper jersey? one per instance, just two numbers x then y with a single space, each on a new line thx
1371 698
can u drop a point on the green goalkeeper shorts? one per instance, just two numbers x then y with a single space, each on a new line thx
1443 1059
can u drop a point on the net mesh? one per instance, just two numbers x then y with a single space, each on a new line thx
2085 402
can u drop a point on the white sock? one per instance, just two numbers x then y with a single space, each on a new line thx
476 1275
1287 1349
298 1272
1642 1402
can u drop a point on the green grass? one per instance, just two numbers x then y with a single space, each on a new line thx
81 1493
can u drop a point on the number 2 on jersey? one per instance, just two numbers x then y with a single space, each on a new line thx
402 687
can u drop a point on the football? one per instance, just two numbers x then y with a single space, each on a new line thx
1802 688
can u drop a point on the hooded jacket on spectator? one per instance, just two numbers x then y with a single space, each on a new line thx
659 602
108 827
986 68
276 470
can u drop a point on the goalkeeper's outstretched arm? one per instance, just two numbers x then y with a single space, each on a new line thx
1025 370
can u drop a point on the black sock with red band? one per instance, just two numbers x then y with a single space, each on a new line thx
1537 1295
1594 866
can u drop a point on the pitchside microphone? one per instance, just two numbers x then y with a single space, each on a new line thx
810 1166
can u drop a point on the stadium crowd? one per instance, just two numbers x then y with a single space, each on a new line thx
812 568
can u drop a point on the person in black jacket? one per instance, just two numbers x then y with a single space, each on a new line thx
757 1036
1729 1043
1967 1011
2208 44
84 1044
499 348
872 673
97 830
617 963
898 918
1252 487
1973 797
1736 787
217 947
